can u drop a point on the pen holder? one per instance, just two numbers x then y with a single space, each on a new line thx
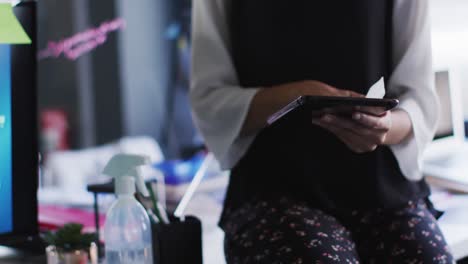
178 242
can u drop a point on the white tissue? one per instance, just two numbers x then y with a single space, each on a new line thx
377 91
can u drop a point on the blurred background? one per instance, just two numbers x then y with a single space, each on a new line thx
132 80
450 39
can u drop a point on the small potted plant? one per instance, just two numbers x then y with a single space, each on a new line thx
69 245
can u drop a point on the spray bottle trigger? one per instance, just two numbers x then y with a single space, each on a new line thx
140 183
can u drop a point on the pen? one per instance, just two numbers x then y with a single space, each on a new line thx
152 216
158 210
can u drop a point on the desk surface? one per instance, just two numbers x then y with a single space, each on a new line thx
454 222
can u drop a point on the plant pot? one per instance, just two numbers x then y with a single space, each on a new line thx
58 256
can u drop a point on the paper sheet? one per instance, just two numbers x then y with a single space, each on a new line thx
11 31
377 91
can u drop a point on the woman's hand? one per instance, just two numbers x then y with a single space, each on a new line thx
362 132
269 100
313 88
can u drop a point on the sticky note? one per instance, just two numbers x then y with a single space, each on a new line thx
11 31
377 90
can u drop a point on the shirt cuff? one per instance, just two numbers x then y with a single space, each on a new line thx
409 152
222 130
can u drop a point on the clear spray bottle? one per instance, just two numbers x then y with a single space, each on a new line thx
127 230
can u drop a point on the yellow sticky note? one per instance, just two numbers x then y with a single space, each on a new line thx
11 31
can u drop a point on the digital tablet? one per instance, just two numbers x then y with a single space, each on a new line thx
318 105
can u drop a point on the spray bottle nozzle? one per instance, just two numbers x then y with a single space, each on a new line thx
122 166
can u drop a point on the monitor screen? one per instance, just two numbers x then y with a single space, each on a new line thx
445 126
6 172
18 134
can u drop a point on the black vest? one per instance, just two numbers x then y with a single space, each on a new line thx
346 44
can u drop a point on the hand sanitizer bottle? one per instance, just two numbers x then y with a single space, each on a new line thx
127 230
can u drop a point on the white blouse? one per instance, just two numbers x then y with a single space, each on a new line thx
220 105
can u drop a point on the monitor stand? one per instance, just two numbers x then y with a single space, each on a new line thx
28 251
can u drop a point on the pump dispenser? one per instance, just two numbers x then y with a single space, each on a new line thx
127 231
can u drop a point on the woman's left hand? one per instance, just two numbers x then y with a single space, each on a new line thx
362 132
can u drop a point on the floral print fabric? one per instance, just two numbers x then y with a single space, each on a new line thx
286 231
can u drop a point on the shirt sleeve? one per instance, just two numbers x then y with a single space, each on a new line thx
219 104
412 82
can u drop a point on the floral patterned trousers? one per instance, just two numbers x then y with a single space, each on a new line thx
286 231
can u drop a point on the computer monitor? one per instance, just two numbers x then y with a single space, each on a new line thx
18 134
451 123
445 125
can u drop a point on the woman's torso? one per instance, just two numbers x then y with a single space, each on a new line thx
346 44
